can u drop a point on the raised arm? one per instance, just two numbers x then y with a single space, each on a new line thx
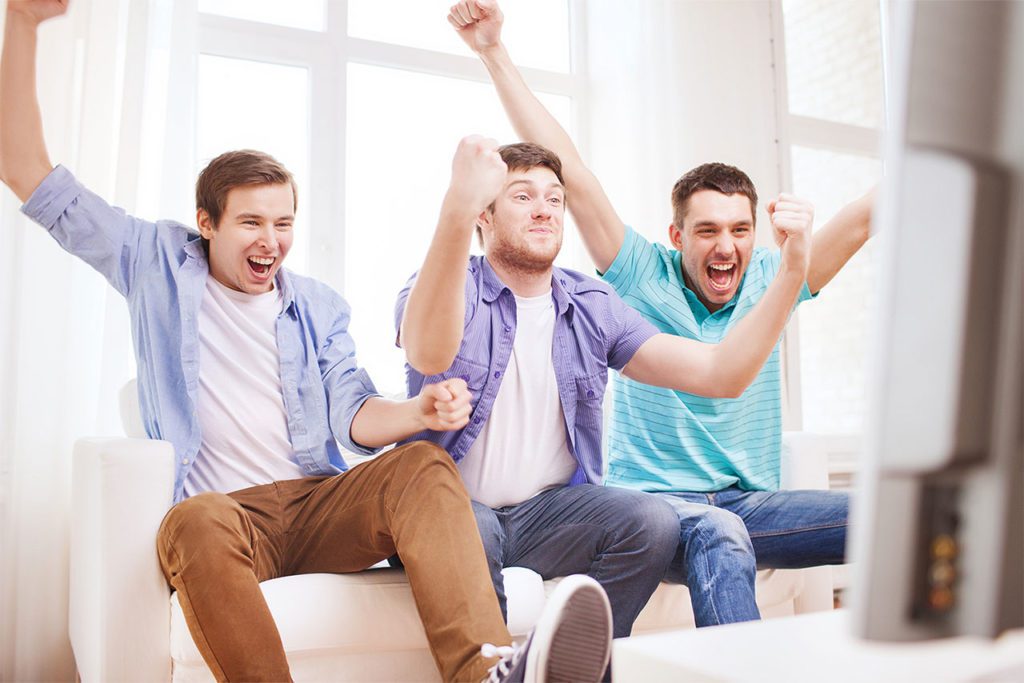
839 239
726 369
24 161
479 24
432 325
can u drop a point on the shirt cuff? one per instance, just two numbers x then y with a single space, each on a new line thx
53 196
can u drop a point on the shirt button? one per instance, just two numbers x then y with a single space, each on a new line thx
476 420
184 461
497 374
590 393
507 328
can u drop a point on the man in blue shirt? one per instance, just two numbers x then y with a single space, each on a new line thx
534 343
249 371
716 460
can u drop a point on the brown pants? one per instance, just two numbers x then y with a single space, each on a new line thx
216 548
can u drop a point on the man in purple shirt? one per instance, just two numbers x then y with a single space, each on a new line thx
534 343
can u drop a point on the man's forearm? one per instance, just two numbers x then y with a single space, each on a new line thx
600 226
530 119
839 239
436 308
24 161
740 356
381 422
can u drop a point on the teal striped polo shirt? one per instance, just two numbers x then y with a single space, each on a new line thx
664 440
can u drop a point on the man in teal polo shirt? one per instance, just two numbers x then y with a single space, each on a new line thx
715 460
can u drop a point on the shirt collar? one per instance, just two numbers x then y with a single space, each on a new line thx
562 287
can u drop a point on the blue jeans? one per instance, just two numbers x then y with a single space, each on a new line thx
726 536
623 539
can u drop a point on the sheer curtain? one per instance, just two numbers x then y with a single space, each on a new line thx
64 342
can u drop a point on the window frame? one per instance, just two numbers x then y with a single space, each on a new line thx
326 54
805 131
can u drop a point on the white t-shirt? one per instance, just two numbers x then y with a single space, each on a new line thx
241 411
522 449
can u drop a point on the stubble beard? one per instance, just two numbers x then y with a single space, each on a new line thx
519 258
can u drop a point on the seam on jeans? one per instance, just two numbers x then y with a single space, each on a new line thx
219 674
797 530
710 593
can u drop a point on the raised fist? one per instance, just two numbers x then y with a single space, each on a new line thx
792 218
478 173
37 10
478 23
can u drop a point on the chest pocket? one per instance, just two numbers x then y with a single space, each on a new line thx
589 400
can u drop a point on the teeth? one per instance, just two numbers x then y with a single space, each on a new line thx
262 260
720 266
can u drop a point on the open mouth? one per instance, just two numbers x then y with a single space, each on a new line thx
261 265
721 276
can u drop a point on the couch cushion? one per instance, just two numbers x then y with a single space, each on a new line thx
366 612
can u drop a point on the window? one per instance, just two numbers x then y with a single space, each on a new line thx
367 114
831 114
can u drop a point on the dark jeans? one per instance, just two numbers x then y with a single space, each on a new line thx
623 539
726 536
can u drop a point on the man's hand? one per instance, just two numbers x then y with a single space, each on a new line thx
478 23
445 407
478 174
37 11
792 218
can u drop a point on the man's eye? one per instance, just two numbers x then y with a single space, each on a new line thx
284 226
523 197
555 200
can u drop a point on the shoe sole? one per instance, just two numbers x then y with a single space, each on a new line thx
572 641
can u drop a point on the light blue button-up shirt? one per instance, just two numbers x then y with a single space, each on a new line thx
161 269
594 330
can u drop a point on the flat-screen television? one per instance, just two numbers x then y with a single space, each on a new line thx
937 533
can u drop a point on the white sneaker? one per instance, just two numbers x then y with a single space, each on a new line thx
570 643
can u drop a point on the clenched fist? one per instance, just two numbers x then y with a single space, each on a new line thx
37 11
478 23
792 218
445 407
478 173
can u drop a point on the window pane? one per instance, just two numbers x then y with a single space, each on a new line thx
231 116
399 167
307 14
535 31
834 328
834 60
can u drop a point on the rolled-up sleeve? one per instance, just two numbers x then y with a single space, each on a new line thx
347 385
88 227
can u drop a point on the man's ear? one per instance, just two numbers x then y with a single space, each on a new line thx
675 236
205 224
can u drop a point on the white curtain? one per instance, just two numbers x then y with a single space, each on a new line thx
64 342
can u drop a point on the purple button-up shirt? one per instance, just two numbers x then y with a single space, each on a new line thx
594 330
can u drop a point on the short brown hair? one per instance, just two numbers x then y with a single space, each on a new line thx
714 176
522 156
235 169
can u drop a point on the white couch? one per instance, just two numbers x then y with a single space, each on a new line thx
125 625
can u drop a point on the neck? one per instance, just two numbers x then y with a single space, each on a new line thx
523 282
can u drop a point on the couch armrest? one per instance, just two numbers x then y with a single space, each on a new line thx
119 613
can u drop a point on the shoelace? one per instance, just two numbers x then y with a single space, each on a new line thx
509 657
